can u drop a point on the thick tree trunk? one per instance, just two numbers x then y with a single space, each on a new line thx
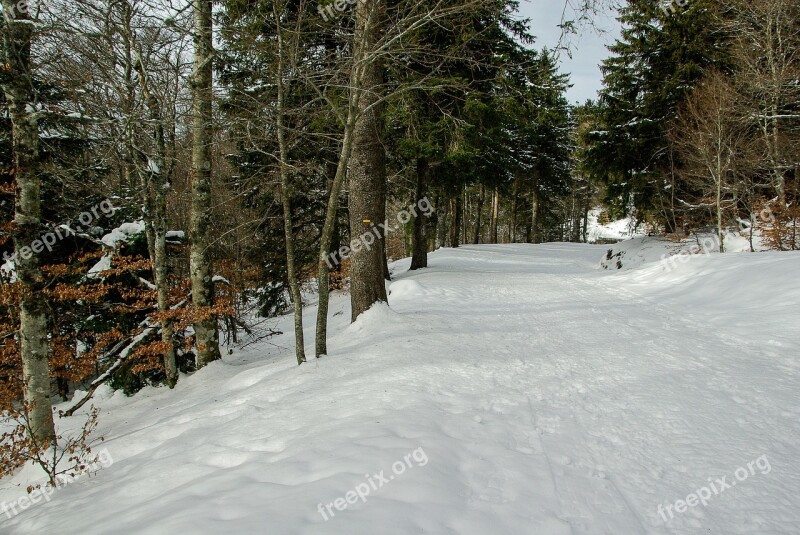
367 175
387 275
200 265
495 214
476 230
33 329
419 257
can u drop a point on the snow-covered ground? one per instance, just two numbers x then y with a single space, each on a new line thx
511 389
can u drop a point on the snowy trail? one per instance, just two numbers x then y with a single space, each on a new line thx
548 397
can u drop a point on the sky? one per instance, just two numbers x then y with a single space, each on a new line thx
588 48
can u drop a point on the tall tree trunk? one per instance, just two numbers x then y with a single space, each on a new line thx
419 257
367 176
326 257
495 214
512 234
576 220
476 230
719 213
154 200
33 330
534 216
200 265
465 205
455 223
442 224
586 221
162 289
286 200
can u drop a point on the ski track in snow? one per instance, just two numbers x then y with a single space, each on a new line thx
549 397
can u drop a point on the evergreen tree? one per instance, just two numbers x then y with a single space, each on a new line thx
653 66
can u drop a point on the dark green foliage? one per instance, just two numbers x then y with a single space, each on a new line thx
654 65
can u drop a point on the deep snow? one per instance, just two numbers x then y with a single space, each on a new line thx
529 391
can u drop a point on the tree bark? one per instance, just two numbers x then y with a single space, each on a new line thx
495 213
455 222
154 200
512 234
442 221
33 330
419 257
200 264
326 262
534 216
476 231
286 200
586 221
367 174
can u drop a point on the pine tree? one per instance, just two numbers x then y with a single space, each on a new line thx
653 66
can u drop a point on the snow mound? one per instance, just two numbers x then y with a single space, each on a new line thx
123 233
407 289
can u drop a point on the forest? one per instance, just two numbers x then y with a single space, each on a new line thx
175 175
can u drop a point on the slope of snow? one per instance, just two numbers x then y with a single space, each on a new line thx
636 252
521 390
621 229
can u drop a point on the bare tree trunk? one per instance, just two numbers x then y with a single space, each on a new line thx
286 199
495 213
455 222
200 265
419 257
465 206
719 214
325 257
534 216
154 200
586 221
162 288
512 234
442 224
367 176
476 231
33 330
